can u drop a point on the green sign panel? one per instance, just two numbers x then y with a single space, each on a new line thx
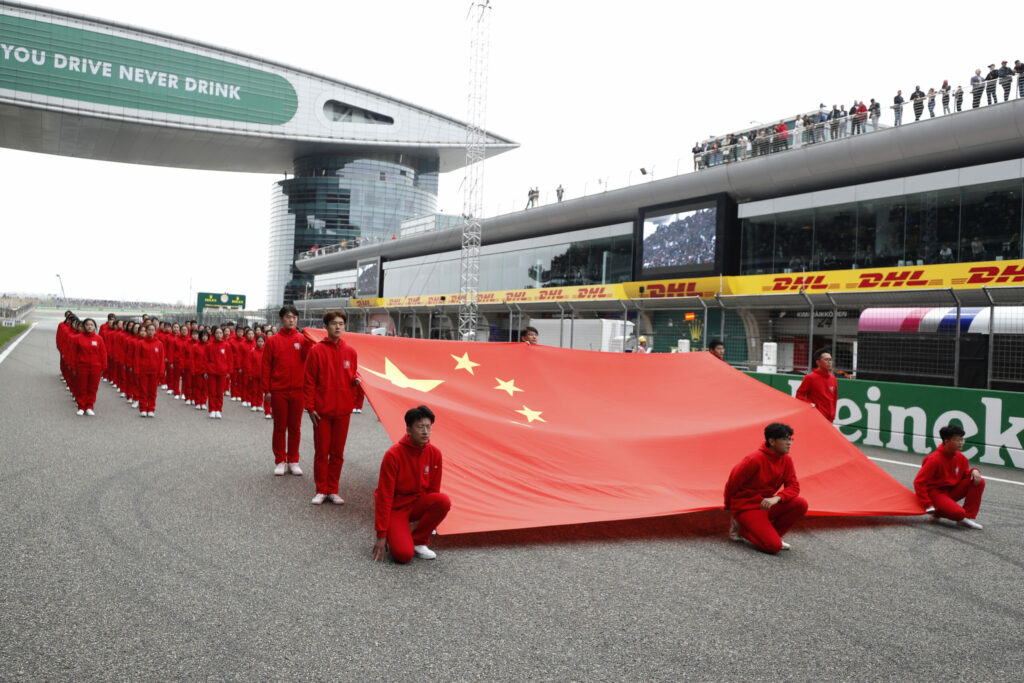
211 300
76 64
907 417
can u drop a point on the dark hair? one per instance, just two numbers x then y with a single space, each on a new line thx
414 415
951 430
111 316
89 320
714 344
204 336
817 354
331 315
777 430
286 309
527 330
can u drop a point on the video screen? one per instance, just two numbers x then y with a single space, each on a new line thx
679 240
368 279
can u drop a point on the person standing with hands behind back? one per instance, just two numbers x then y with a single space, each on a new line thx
284 358
820 387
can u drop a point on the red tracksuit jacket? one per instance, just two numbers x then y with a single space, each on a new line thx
219 358
406 473
200 364
149 357
759 476
284 357
329 386
821 389
940 470
85 350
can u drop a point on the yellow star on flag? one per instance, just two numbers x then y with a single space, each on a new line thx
397 377
531 415
464 363
509 386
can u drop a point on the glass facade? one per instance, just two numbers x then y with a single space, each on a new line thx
972 223
335 199
585 257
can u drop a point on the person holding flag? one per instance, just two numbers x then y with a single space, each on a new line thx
945 477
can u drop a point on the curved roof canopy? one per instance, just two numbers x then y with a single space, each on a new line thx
84 87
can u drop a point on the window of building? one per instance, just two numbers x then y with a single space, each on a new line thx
835 237
990 224
794 241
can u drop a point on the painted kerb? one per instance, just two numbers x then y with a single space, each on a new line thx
907 417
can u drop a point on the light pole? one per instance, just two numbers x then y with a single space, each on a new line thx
305 303
63 295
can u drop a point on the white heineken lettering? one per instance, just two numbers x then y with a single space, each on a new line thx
897 438
873 437
853 416
996 438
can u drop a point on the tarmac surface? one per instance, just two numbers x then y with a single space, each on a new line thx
143 549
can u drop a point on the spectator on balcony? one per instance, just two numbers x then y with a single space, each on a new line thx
798 132
842 120
945 97
990 84
781 136
1005 80
917 97
833 122
1018 69
931 103
958 97
897 107
875 113
977 87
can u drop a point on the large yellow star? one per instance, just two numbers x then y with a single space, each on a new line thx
509 386
397 377
464 363
531 415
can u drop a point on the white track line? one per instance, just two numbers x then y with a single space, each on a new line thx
910 464
15 342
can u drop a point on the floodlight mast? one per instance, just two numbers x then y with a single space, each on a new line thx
473 185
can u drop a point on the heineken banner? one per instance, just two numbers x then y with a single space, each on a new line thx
907 417
90 66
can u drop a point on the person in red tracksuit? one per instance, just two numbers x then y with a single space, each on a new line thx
284 358
219 361
247 342
820 388
761 512
149 364
87 358
200 378
945 477
132 356
254 372
408 504
328 393
184 364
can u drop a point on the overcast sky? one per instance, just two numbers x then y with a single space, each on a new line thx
589 89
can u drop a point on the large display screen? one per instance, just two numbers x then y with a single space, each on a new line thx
679 240
368 278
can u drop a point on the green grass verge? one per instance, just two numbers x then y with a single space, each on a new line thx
9 333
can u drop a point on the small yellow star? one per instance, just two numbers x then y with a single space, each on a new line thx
509 386
464 363
531 415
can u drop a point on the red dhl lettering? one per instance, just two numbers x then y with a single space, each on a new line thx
413 300
592 293
671 289
516 296
899 278
984 275
435 300
795 284
486 297
546 294
394 302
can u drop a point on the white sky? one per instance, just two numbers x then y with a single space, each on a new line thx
589 89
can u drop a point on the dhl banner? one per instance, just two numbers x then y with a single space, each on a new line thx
940 276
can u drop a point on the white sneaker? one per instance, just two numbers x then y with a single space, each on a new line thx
80 412
220 415
152 414
124 395
970 523
254 409
143 414
177 397
90 412
423 552
786 546
163 386
336 499
280 469
268 416
213 415
318 499
169 391
135 404
356 411
294 468
199 407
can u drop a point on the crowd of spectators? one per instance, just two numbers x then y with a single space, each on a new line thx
839 122
112 304
687 240
334 293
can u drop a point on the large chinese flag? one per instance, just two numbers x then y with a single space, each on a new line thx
540 436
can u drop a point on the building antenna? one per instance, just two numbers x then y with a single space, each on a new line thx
473 184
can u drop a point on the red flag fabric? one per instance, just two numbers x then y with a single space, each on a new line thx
541 436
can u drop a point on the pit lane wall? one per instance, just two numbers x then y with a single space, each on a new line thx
907 417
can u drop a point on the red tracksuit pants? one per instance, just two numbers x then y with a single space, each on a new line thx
765 528
429 510
199 390
329 436
85 382
147 391
215 383
186 384
945 500
286 407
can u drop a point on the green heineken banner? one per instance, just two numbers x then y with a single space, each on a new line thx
77 64
907 417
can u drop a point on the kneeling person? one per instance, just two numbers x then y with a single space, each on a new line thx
945 477
762 512
408 503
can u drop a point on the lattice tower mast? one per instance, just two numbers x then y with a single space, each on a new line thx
473 185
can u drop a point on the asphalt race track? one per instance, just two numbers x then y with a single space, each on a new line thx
165 549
